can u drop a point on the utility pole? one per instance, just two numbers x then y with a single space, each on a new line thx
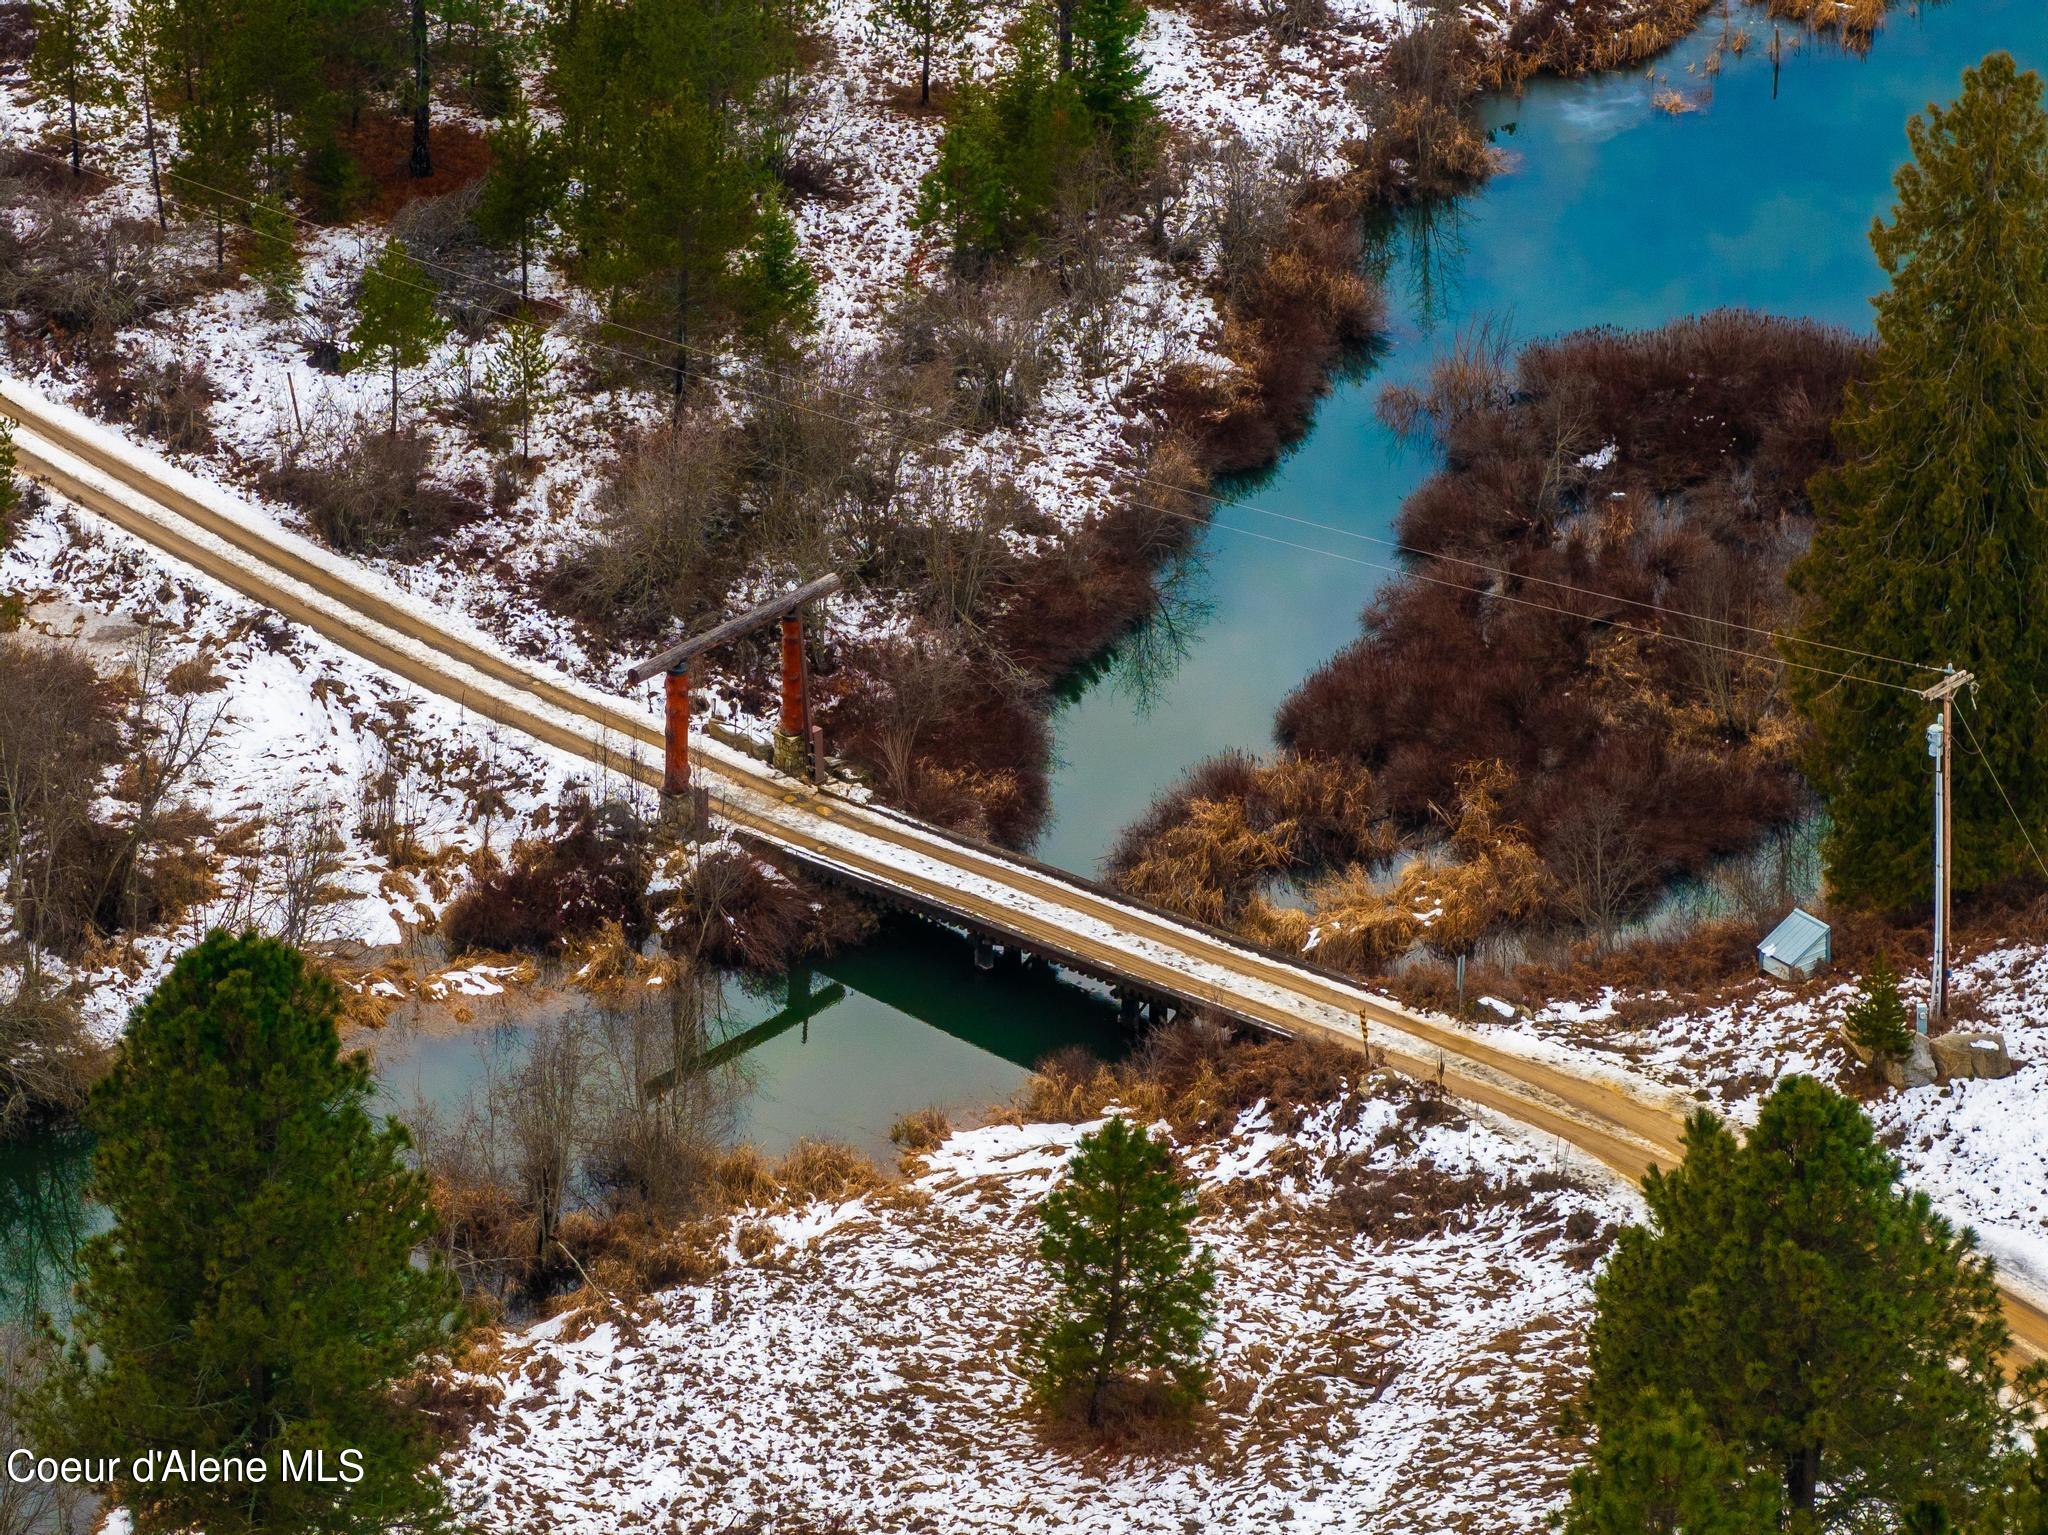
1940 746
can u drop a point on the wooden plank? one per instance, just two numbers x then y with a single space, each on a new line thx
733 628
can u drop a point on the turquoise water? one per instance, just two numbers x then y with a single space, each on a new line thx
1611 212
837 1052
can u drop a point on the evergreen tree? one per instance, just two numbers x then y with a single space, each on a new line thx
929 27
523 189
70 65
1931 537
655 98
1834 1332
273 251
1133 1296
396 323
139 54
216 155
258 1293
521 373
1004 153
1877 1021
781 295
1661 1471
1107 69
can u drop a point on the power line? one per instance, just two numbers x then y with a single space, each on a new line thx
2009 807
1136 477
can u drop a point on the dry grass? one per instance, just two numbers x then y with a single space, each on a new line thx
1194 1076
920 1131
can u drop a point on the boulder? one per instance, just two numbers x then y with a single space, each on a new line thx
1962 1056
1917 1069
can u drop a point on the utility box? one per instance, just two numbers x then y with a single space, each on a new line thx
1797 948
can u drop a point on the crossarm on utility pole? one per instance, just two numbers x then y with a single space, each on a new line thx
724 634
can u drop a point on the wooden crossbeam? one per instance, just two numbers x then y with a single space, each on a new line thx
733 628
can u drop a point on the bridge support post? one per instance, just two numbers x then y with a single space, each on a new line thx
794 748
675 735
984 954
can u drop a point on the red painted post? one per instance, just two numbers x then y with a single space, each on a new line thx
795 714
675 755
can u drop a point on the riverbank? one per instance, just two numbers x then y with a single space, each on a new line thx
1400 1292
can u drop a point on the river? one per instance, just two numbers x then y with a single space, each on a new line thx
1609 211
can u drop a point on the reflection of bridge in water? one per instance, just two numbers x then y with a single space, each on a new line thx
1002 1002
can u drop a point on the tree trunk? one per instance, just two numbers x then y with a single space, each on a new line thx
1802 1478
156 183
77 154
394 396
1065 12
422 163
924 63
682 335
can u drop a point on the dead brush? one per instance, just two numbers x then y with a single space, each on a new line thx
1196 1077
824 1170
920 1131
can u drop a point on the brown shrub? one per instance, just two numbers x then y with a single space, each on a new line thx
1197 1077
368 491
161 397
740 910
590 872
1715 429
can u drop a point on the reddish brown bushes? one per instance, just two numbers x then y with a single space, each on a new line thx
1664 470
593 870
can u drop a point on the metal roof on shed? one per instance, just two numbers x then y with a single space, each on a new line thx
1798 939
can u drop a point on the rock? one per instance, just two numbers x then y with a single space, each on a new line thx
1962 1056
1916 1070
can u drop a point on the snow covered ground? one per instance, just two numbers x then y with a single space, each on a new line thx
861 1368
1980 1149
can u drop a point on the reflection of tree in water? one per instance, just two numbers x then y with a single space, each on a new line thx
43 1220
1421 250
1139 664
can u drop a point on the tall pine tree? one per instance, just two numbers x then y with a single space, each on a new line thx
70 65
396 323
1108 70
1836 1335
259 1292
523 189
1132 1296
1931 538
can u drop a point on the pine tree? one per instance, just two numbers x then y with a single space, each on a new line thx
1877 1021
1132 1294
69 66
1931 537
396 323
1834 1332
523 190
259 1291
273 252
1004 153
780 301
1108 70
666 185
929 27
1661 1471
216 154
140 53
521 373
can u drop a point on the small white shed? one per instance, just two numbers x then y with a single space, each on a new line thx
1797 947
